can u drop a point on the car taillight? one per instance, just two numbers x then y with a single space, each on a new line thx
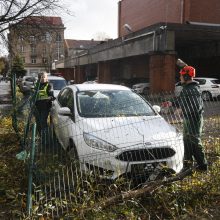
215 86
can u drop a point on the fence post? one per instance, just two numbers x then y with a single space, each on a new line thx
14 101
30 176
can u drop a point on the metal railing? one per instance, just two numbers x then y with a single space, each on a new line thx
97 159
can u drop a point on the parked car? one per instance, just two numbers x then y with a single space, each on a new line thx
89 82
141 88
57 83
26 83
111 129
210 87
129 82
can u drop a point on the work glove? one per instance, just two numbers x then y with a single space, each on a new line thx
52 98
166 104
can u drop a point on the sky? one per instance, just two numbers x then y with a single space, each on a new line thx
91 18
88 19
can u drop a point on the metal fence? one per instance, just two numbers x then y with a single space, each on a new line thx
83 160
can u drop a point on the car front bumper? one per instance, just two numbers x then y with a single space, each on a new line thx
109 166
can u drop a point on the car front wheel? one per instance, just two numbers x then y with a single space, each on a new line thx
206 96
72 151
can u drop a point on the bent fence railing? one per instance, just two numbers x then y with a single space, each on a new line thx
108 159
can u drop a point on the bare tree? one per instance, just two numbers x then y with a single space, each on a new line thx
101 36
14 11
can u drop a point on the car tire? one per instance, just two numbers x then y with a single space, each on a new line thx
72 151
206 96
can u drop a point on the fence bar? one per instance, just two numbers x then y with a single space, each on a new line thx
30 176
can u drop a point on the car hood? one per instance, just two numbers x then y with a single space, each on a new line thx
130 131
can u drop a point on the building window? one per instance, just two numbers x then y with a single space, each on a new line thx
43 38
44 60
44 50
48 37
33 50
33 61
21 38
21 48
58 37
32 39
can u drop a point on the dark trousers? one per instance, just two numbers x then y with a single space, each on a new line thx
41 116
192 130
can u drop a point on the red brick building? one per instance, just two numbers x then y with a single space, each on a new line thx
152 35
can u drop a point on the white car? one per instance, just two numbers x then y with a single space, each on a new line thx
111 129
210 87
26 84
57 84
141 88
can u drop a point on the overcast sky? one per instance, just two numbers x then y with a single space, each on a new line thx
90 18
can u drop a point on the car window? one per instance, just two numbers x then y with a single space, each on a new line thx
112 104
215 81
200 81
57 84
66 99
70 100
63 98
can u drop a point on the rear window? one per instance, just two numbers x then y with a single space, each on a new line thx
200 81
57 84
216 81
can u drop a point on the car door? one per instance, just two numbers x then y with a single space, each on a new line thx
68 121
60 121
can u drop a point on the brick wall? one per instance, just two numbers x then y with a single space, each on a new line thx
203 11
162 72
142 13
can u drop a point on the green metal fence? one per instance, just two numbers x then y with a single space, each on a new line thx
64 183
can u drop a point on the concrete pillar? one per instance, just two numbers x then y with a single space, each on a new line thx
162 67
104 75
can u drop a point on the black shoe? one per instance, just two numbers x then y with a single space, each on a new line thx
202 168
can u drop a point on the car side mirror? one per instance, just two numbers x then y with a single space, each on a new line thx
70 82
65 111
156 108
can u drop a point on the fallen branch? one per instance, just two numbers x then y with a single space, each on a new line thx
149 188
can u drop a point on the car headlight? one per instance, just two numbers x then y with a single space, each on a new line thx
98 143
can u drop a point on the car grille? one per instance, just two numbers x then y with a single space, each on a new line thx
146 154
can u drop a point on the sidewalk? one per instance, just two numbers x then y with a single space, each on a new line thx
5 97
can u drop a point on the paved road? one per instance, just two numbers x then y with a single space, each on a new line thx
5 97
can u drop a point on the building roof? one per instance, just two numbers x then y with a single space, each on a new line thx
42 20
80 44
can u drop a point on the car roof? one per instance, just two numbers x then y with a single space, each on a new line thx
97 86
205 78
55 77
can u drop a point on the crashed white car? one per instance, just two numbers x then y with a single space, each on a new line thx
113 130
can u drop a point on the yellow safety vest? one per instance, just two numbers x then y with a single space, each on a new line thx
42 93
